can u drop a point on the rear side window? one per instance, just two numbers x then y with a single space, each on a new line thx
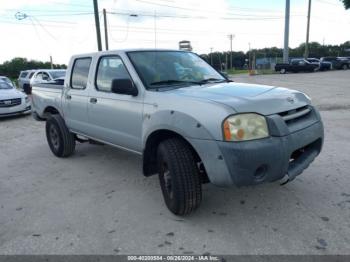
80 73
23 74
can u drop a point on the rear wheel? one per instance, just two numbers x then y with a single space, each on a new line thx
60 140
179 176
283 70
344 67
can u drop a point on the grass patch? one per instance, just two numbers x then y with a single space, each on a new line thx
237 71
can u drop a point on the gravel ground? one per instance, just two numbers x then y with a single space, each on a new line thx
98 202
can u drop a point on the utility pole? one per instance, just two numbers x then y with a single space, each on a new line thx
155 29
286 33
51 62
97 23
211 56
249 62
231 36
105 25
306 55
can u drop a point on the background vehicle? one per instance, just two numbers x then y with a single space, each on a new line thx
24 80
46 75
337 62
321 65
12 101
296 65
7 80
190 126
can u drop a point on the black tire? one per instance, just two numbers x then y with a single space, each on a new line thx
344 67
26 89
179 176
283 71
60 140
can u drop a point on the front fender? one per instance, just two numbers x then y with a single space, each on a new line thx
175 121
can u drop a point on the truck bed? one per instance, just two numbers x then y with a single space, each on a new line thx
45 95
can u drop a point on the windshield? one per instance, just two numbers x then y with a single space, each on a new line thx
58 74
4 85
159 69
5 79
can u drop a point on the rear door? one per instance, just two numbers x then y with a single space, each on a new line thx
75 95
114 118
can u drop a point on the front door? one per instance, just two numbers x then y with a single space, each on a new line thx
114 118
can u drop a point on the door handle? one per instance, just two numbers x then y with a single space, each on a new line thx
68 97
93 100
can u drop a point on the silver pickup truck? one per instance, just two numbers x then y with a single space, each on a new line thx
190 123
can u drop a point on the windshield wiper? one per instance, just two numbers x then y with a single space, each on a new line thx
216 80
173 81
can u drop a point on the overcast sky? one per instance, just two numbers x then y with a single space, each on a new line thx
64 27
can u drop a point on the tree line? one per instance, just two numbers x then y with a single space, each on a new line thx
240 59
13 67
346 3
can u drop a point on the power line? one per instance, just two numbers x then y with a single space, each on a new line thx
253 18
200 10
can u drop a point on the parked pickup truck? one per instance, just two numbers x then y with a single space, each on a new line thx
337 62
190 126
296 65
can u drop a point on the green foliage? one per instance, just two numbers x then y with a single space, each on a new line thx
346 3
12 68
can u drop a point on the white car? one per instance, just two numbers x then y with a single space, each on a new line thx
12 101
46 75
7 80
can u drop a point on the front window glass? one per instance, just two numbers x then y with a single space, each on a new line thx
109 68
39 76
163 68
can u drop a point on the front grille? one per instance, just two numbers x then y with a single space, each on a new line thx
10 102
295 115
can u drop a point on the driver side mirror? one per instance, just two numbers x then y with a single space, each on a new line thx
124 87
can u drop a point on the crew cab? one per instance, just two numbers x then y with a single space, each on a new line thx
296 65
190 126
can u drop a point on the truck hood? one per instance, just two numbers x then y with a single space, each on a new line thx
10 94
262 99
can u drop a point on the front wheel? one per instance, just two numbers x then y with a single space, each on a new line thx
179 176
344 67
60 140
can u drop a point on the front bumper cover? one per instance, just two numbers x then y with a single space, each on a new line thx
264 160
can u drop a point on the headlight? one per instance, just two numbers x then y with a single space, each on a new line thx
307 96
245 127
27 99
